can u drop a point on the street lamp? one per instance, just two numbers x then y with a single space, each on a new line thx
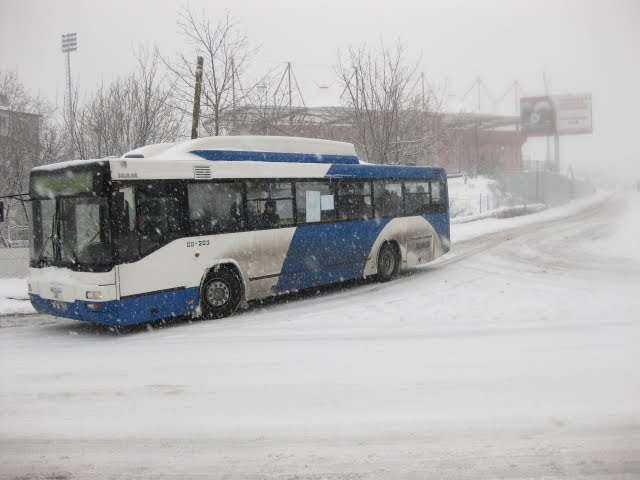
69 44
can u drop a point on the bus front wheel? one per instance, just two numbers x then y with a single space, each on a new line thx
388 262
221 294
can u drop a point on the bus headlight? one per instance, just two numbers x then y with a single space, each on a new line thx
94 295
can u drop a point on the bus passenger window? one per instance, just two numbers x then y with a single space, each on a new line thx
416 198
269 204
215 208
354 200
388 199
314 202
437 197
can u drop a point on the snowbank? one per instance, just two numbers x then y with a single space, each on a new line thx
14 298
474 196
466 231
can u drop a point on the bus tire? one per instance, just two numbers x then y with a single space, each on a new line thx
388 262
221 294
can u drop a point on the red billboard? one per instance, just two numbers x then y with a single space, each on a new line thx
556 115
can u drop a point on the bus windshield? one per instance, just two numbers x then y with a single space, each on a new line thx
70 218
72 232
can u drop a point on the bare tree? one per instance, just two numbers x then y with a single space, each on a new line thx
226 53
29 137
128 113
393 120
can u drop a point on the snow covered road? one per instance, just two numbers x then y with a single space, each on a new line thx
515 356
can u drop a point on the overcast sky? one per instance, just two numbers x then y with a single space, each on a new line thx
583 46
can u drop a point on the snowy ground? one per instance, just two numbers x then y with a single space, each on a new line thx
515 356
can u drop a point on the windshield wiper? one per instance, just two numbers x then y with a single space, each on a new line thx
68 252
50 237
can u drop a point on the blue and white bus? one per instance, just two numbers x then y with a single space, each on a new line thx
204 226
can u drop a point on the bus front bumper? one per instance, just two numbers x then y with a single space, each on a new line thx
124 312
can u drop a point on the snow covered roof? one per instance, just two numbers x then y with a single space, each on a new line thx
253 148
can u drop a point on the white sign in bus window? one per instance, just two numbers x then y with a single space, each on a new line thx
326 202
313 206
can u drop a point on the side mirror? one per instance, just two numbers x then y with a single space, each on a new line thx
1 212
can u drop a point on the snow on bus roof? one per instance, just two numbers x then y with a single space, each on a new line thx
252 148
237 148
246 149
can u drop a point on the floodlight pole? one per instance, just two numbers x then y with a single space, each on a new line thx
71 119
69 44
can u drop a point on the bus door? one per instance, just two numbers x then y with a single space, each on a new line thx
149 217
271 220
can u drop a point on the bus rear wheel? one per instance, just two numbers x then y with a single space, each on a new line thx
221 294
388 262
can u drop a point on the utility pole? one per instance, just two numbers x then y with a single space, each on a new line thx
233 95
196 99
556 137
69 44
516 100
357 88
478 86
546 90
424 103
556 149
290 103
477 159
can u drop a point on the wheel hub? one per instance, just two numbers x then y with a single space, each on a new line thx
387 263
217 293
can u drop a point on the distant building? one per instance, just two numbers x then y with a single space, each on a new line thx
466 143
481 143
19 146
14 123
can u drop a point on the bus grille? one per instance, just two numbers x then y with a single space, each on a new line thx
201 173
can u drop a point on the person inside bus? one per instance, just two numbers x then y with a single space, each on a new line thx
145 227
269 218
234 219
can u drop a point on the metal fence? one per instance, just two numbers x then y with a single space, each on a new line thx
14 241
476 203
14 262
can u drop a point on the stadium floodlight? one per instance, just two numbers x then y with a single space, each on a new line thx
69 42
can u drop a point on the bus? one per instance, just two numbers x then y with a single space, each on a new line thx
204 226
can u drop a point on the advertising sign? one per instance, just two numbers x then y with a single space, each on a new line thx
573 113
556 114
537 116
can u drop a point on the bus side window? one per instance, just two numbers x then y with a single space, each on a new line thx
388 199
437 197
314 202
416 198
269 204
215 208
354 200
